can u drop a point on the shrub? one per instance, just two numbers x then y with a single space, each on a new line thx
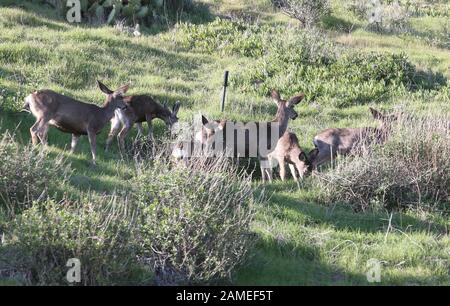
308 12
27 174
410 171
323 72
97 231
195 220
223 37
382 17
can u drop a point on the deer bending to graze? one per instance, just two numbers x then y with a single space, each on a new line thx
285 112
333 141
289 151
72 116
141 108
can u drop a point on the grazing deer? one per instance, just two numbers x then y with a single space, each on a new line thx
288 151
140 108
333 141
272 131
72 116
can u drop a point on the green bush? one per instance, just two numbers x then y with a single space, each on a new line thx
323 72
97 231
223 37
26 174
195 223
294 60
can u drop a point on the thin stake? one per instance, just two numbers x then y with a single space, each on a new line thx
225 84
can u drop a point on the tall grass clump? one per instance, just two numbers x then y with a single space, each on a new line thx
195 220
98 231
410 171
26 174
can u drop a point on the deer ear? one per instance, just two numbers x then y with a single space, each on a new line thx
296 99
376 114
302 157
103 88
205 120
275 96
121 90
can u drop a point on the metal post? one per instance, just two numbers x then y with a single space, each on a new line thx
225 84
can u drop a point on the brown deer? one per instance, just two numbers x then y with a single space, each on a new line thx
72 116
333 141
141 108
266 132
289 151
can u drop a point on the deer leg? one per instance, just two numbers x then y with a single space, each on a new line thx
122 134
140 129
149 118
33 132
282 170
115 128
42 131
293 172
93 142
74 142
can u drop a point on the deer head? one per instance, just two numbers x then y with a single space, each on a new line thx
170 116
114 99
286 108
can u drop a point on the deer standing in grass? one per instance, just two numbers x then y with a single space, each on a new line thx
333 141
272 130
72 116
289 151
140 108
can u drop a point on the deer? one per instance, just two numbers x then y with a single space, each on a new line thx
333 141
289 151
72 116
273 131
140 108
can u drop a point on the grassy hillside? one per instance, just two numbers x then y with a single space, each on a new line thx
301 240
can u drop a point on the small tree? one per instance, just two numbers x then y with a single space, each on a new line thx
308 12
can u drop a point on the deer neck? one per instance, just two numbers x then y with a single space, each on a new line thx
107 111
282 119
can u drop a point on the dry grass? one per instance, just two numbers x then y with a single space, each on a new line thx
410 170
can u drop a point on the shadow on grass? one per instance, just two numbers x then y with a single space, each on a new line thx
275 261
332 22
342 217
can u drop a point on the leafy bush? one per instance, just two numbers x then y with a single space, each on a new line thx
223 37
308 12
97 231
313 66
297 60
195 220
26 174
411 170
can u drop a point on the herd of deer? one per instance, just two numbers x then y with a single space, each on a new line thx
79 118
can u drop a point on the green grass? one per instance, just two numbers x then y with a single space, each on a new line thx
301 241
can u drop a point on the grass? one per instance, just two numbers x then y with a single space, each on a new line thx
301 241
